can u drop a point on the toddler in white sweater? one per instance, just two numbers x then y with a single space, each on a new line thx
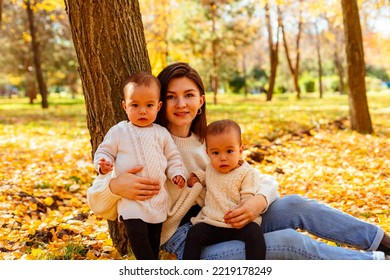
229 180
140 142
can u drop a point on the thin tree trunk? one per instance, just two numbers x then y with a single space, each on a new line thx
214 43
245 75
110 45
319 61
273 52
358 106
37 56
337 59
340 70
31 91
294 70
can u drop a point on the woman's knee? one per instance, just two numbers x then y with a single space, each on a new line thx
295 201
286 237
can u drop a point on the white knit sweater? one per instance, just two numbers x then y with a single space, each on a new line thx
127 146
103 202
224 191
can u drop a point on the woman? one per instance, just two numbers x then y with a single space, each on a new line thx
184 114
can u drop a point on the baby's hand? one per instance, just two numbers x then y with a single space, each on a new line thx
105 166
192 180
179 181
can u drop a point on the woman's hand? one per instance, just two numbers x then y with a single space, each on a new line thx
131 186
246 211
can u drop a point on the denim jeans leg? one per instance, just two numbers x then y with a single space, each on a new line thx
176 243
296 212
231 250
288 244
285 244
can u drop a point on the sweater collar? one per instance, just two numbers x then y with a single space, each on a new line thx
186 141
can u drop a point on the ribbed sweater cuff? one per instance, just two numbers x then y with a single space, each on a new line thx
100 198
270 195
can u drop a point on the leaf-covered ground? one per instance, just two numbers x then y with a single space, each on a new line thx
46 168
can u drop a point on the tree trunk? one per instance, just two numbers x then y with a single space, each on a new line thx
214 45
319 61
36 56
340 70
244 75
110 45
31 91
358 106
294 70
30 87
273 52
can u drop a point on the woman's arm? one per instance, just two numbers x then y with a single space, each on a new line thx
248 210
105 191
134 187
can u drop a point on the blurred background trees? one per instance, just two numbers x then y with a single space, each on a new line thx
297 46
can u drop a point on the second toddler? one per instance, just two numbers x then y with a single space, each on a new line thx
228 180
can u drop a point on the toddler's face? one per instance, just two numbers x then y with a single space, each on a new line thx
142 104
224 150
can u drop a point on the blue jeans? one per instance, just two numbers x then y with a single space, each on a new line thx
284 242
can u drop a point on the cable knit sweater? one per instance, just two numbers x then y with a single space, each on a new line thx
127 146
224 191
103 202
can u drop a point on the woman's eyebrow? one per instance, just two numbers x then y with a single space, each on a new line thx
187 90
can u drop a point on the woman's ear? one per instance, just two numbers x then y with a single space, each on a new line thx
202 100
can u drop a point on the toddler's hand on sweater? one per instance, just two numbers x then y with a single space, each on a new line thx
179 181
105 166
192 180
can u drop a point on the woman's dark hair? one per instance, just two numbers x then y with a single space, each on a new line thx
180 70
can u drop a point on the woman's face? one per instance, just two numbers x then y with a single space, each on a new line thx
182 105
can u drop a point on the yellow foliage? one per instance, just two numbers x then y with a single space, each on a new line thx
49 201
26 37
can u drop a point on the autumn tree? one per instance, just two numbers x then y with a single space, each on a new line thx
157 20
337 42
15 58
358 105
110 45
319 58
56 51
212 4
273 50
36 51
293 65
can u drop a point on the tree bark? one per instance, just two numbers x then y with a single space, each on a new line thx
358 105
319 61
338 44
37 56
110 45
294 69
340 70
214 46
273 52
